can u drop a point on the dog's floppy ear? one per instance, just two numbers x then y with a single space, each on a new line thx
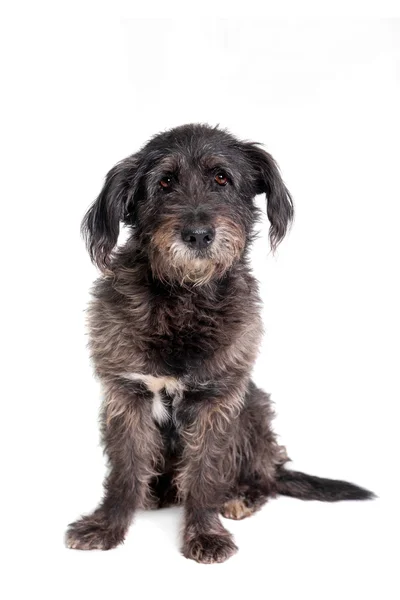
268 180
100 225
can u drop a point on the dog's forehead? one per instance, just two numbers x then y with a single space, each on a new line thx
192 148
178 161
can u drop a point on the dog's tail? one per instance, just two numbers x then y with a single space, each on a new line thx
309 487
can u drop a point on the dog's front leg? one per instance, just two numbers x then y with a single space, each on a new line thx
207 474
133 445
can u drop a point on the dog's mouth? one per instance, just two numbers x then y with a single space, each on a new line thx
200 254
191 258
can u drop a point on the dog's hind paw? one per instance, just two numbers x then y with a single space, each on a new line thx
237 509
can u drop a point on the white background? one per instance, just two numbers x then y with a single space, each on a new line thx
323 95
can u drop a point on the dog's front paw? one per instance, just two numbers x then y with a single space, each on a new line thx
93 532
210 548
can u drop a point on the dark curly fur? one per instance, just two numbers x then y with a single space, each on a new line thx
174 332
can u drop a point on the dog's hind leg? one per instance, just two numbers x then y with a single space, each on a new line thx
263 460
259 456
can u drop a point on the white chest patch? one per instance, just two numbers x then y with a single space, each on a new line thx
171 385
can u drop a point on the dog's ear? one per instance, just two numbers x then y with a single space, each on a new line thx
101 224
268 180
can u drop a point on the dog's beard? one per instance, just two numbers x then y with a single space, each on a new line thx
172 260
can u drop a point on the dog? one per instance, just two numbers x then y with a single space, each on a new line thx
174 332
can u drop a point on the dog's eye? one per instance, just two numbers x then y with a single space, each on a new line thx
166 182
221 178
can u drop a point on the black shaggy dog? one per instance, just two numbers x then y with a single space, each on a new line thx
174 332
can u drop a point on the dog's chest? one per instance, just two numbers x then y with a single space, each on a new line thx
187 332
166 391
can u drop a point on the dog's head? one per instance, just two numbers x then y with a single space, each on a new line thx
188 197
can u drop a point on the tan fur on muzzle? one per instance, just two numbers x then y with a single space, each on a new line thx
172 260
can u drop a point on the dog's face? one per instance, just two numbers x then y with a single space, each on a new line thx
188 195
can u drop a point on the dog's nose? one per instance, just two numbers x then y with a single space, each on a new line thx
198 237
